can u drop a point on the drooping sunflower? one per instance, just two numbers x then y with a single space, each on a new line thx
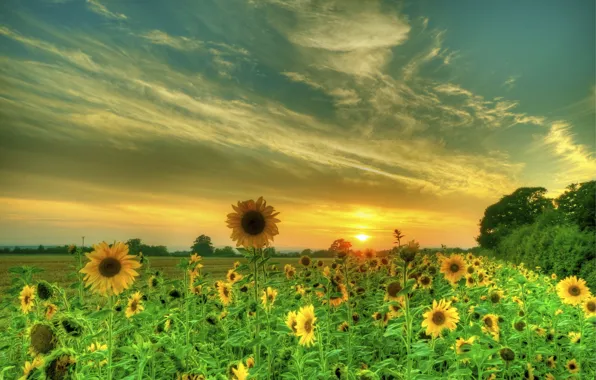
463 346
268 297
574 337
343 327
589 307
440 316
240 372
572 290
51 309
336 301
60 367
225 293
44 290
305 325
253 223
135 305
110 269
291 321
43 339
27 297
572 366
453 268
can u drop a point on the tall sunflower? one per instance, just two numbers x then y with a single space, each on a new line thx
440 316
253 223
27 297
572 290
305 325
590 307
453 268
110 269
135 305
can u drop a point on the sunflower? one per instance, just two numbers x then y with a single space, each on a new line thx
343 327
549 376
574 337
43 339
425 282
60 367
572 290
268 297
31 366
250 362
495 296
336 301
110 269
441 316
51 309
553 276
392 291
551 362
454 268
305 325
27 297
305 261
233 276
44 290
462 346
590 307
291 321
507 354
572 366
470 281
491 324
153 282
194 258
135 305
225 292
240 372
253 224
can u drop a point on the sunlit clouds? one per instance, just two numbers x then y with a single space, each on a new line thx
353 118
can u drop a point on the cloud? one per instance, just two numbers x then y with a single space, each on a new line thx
510 82
101 9
297 77
577 161
159 37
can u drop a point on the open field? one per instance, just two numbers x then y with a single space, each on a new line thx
362 318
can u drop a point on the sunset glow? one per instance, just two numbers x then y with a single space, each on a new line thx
362 237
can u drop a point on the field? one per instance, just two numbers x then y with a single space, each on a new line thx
408 316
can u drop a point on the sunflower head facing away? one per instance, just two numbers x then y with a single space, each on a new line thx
253 223
441 316
572 290
27 297
110 269
43 339
453 268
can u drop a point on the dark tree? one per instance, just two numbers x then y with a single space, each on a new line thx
519 208
134 246
203 246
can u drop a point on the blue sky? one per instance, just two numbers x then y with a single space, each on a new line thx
149 118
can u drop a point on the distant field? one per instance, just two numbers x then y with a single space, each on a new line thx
61 268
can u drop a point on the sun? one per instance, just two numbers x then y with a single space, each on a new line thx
362 237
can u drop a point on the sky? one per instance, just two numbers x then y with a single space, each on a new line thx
148 119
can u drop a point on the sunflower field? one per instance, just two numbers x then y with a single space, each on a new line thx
406 315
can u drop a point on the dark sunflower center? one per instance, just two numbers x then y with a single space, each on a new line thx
574 291
308 326
253 222
466 347
393 289
495 298
133 306
470 280
571 366
488 322
438 318
232 276
225 291
591 306
294 323
425 280
27 299
470 270
270 297
109 267
454 268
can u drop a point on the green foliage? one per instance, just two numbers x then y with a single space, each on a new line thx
553 245
519 208
578 203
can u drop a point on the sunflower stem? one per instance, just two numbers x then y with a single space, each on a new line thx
408 324
110 337
80 279
349 308
256 273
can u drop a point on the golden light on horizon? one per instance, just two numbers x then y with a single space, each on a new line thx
362 237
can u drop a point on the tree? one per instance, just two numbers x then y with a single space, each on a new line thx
398 236
519 208
306 252
134 246
578 204
340 245
203 246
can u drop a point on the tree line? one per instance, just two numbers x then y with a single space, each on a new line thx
556 234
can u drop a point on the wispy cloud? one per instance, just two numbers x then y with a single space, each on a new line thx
181 43
101 9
